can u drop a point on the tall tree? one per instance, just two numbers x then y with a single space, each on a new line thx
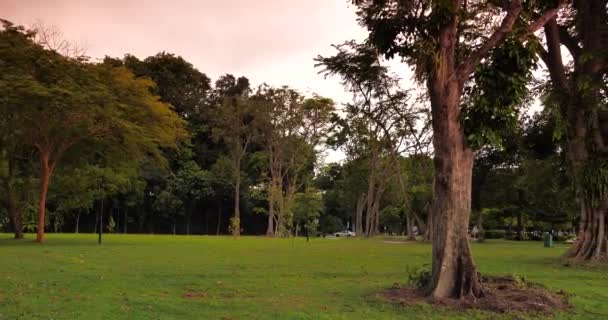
397 125
579 98
292 128
65 103
234 126
445 42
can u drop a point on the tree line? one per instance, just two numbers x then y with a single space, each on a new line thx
153 139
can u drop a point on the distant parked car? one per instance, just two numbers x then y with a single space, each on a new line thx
345 233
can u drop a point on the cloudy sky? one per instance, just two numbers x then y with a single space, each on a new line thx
272 41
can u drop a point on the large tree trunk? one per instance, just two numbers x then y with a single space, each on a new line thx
592 242
579 104
454 272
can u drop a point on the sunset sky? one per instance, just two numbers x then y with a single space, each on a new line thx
272 41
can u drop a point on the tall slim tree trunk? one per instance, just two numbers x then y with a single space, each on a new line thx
125 221
236 223
428 232
422 227
206 230
77 221
96 222
410 227
14 213
45 177
100 226
188 210
454 272
358 221
174 227
520 225
219 220
270 227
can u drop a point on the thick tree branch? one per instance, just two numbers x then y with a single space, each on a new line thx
553 56
469 65
597 133
513 11
569 42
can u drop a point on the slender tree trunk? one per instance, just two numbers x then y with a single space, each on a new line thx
219 220
270 228
520 225
125 221
454 272
376 228
358 221
77 221
14 212
369 212
236 223
428 232
481 235
206 230
188 210
100 227
422 227
96 222
45 177
410 227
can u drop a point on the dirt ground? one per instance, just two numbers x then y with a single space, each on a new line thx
501 295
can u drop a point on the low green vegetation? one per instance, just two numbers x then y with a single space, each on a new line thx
199 277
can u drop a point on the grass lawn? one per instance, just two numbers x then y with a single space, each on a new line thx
197 277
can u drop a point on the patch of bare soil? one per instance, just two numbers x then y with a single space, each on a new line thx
502 295
193 294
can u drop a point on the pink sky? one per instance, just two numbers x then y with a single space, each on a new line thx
271 41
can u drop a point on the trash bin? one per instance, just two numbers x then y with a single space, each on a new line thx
548 239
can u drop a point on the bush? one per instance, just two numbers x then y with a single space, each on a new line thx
420 277
495 234
564 237
331 224
536 236
512 235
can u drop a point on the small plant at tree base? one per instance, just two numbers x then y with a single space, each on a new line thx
420 277
235 224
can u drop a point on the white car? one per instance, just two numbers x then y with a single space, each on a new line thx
345 233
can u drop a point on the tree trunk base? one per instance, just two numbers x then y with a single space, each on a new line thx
503 295
592 243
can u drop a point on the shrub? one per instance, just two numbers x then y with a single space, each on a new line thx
420 277
564 237
331 224
495 234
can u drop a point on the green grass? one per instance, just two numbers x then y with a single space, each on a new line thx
179 277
